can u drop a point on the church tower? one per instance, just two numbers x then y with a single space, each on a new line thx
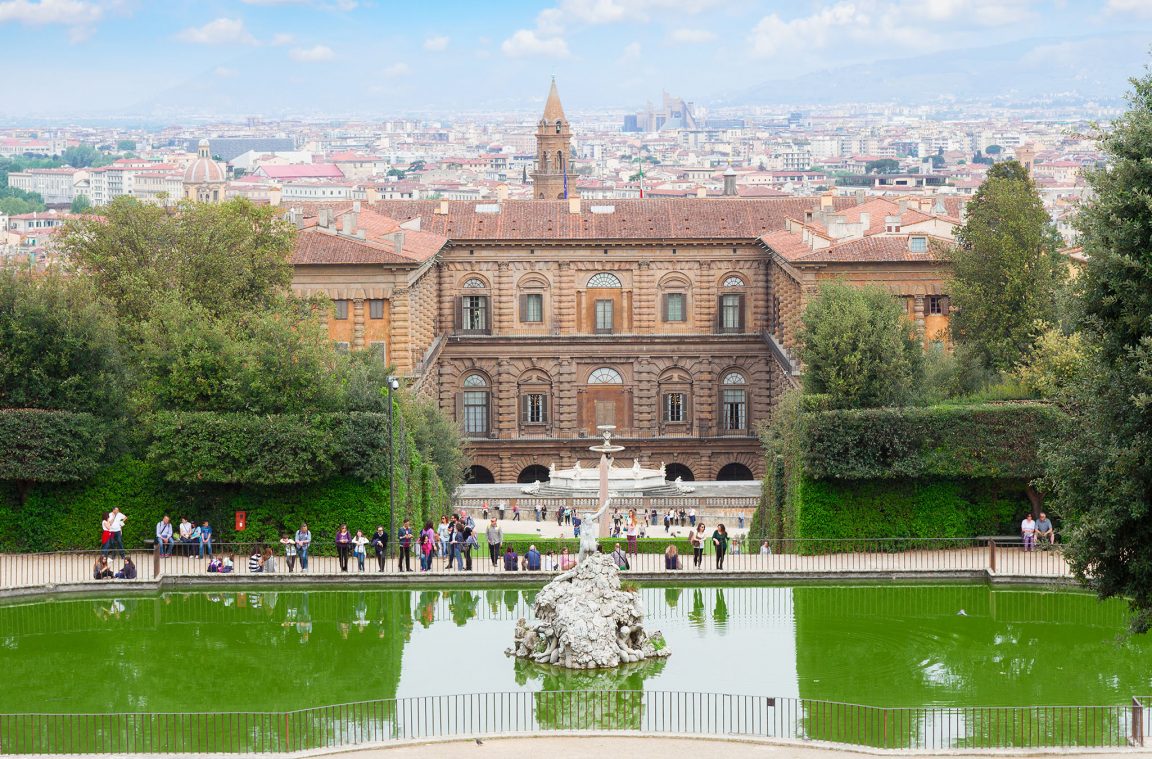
553 177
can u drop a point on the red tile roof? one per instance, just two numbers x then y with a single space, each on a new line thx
314 246
302 171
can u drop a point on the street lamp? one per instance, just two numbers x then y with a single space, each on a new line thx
393 384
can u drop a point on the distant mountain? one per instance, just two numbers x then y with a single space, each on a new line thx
1086 69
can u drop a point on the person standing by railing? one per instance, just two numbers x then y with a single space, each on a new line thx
303 541
380 544
289 551
720 541
205 539
633 532
116 520
495 537
404 540
343 545
697 538
427 547
164 536
1028 531
358 549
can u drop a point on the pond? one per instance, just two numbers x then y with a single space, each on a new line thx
884 645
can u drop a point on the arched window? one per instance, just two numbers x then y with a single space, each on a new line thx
733 281
730 306
605 376
535 388
472 307
734 402
474 283
674 298
604 280
474 406
675 396
558 125
532 290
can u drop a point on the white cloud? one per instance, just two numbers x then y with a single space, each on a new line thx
282 39
314 54
436 44
632 52
1138 7
225 73
79 16
692 36
395 70
222 31
977 12
773 34
338 5
527 43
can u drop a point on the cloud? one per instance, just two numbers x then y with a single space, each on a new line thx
225 73
1138 7
330 5
525 43
773 34
282 39
436 44
79 16
631 52
315 54
395 70
222 31
692 36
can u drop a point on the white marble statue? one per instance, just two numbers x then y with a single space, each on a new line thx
532 489
552 470
635 468
663 470
590 531
577 471
681 487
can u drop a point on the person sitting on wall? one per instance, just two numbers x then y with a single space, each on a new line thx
533 559
101 570
671 559
1045 533
215 564
256 562
228 564
510 560
128 571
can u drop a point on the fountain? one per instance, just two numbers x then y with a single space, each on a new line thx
585 619
579 482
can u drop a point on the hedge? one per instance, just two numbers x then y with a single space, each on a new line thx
50 446
987 440
281 449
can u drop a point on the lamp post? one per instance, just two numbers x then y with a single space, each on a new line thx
393 384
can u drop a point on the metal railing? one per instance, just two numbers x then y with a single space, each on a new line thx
650 556
525 712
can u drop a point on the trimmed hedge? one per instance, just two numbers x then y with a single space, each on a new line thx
50 446
278 449
987 440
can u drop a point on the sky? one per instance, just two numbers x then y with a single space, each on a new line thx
270 57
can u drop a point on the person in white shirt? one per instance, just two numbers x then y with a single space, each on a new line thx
1028 530
115 540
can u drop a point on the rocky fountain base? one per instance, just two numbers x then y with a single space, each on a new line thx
584 620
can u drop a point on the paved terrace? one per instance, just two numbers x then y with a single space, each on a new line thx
793 560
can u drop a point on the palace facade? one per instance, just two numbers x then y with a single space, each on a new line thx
531 322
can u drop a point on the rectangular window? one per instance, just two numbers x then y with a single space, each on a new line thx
535 408
918 244
380 348
532 307
731 313
475 412
675 408
674 310
341 309
376 309
475 312
343 347
735 409
604 321
935 304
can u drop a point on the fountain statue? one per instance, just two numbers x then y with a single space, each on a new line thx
584 618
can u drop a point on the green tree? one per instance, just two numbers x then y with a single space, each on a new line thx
1099 470
14 201
1007 272
436 437
81 156
81 204
859 348
126 146
882 166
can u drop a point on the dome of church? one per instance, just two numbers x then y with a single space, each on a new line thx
204 170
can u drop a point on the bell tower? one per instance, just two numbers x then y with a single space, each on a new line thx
553 177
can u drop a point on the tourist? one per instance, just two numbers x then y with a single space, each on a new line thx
667 521
228 564
568 512
740 520
697 538
737 543
484 509
457 547
516 512
633 531
205 540
576 526
379 542
470 542
643 530
655 517
1028 530
765 549
214 564
691 517
537 508
358 549
115 541
503 507
510 560
533 559
1044 530
289 550
671 559
164 536
186 540
268 560
105 535
404 540
468 521
303 541
683 515
128 571
450 545
444 534
256 562
549 562
566 561
343 546
495 538
619 558
101 570
720 541
427 547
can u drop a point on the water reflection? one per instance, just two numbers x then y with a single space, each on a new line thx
614 702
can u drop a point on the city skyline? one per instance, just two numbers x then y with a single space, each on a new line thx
276 57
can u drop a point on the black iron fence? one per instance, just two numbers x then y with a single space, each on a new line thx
530 713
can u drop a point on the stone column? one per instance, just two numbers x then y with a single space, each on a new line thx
504 413
503 298
400 348
564 300
357 323
918 314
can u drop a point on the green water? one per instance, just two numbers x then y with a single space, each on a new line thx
259 651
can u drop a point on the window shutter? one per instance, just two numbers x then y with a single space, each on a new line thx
740 315
485 317
664 308
720 313
458 319
460 410
523 307
544 408
945 302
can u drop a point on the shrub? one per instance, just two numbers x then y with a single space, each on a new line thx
49 446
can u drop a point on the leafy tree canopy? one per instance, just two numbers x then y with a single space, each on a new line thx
859 348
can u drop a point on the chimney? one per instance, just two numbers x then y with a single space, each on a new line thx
398 242
442 209
371 194
865 222
903 205
730 183
502 192
826 201
322 218
275 194
860 196
701 192
356 206
574 205
348 224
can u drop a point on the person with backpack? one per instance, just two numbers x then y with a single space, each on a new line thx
470 542
379 542
427 547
